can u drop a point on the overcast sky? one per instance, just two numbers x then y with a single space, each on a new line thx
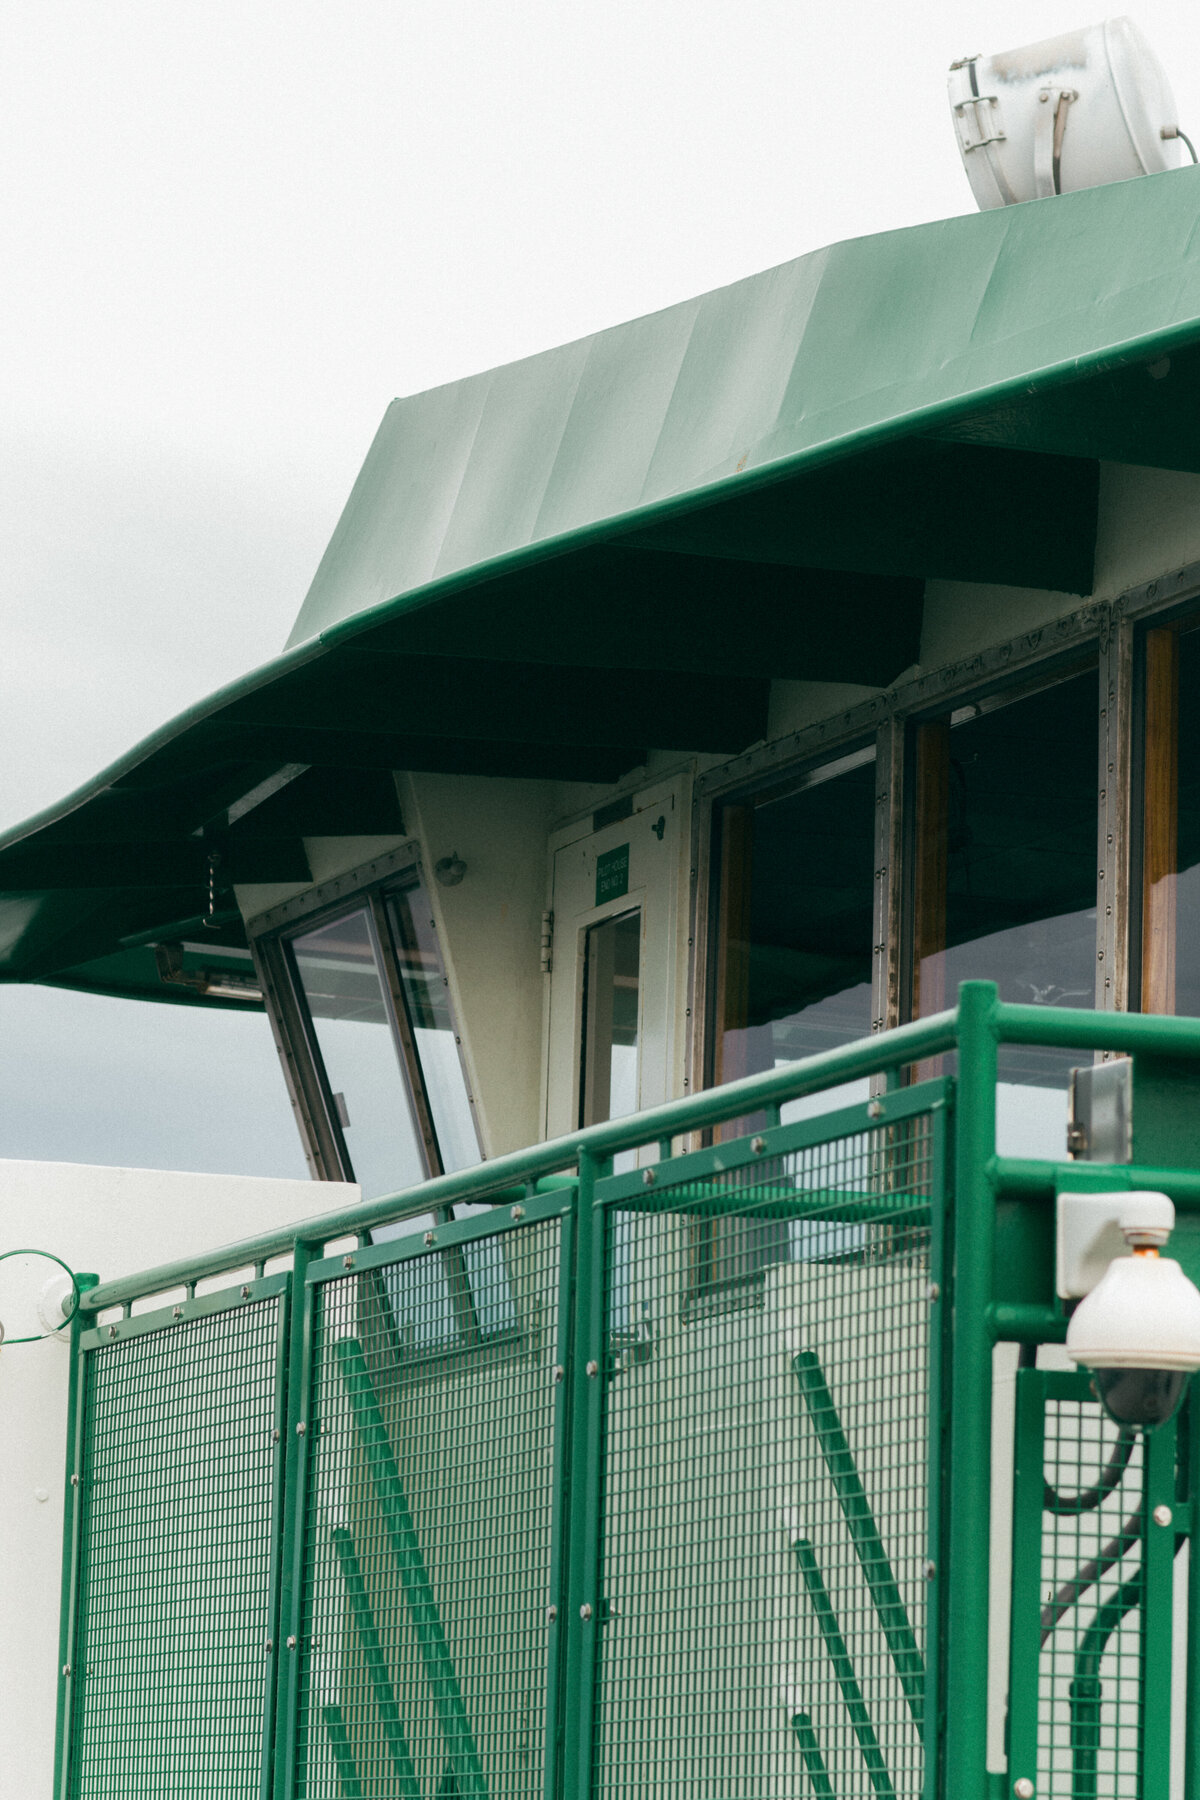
232 232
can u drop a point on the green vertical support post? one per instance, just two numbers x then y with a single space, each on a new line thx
72 1523
560 1512
1025 1632
587 1399
287 1301
1157 1634
1191 1723
284 1664
966 1671
440 1673
937 1426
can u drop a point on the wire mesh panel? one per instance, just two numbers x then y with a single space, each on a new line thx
766 1523
1081 1624
179 1506
428 1512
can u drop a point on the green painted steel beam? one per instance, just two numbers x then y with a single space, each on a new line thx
814 1762
1070 1029
843 1669
407 1786
873 1559
410 1567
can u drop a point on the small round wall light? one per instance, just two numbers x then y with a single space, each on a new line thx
450 869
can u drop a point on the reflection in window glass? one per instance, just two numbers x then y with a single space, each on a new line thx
455 1298
427 999
338 970
794 921
612 973
795 930
1171 824
1006 880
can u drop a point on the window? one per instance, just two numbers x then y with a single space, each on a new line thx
1004 878
793 954
611 995
1170 824
794 921
372 1005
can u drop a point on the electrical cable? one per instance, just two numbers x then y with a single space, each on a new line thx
1072 1591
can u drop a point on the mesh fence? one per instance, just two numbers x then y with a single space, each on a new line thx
1090 1673
765 1536
170 1675
428 1524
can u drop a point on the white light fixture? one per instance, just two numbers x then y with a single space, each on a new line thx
1138 1330
1076 111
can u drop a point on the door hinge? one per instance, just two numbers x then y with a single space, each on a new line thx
547 942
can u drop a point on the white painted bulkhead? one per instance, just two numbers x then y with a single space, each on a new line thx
109 1222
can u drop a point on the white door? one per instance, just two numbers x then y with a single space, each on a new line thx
619 897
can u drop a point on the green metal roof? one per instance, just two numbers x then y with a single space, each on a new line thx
548 569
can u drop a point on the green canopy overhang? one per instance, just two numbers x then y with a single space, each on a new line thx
549 569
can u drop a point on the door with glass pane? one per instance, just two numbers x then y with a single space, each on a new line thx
614 1043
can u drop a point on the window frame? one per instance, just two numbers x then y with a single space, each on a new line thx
1179 620
1104 629
766 789
1053 671
271 934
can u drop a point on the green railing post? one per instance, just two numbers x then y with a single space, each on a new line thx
72 1519
587 1377
937 1430
560 1514
282 1664
1191 1718
1025 1634
1156 1639
969 1477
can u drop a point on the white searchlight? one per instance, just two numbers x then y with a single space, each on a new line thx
1138 1330
1072 112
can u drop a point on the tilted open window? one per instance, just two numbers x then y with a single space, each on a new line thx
361 1000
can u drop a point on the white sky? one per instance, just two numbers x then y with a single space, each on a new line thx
232 232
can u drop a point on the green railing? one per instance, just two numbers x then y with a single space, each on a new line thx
664 1479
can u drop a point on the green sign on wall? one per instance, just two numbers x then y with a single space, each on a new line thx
612 874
